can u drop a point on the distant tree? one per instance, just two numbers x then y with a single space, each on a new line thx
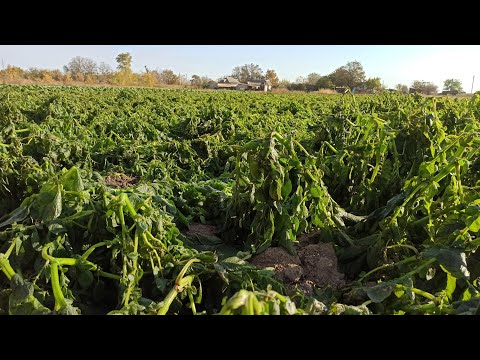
124 76
373 84
424 87
124 61
206 81
105 73
168 77
196 81
272 76
284 83
301 80
302 86
247 72
105 69
402 88
200 82
313 78
183 80
324 83
79 67
452 85
351 75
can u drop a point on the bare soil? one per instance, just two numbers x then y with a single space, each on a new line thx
201 229
315 265
120 180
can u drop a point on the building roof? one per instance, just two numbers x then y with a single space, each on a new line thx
230 80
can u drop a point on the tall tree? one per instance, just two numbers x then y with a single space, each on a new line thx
284 83
324 83
247 72
351 75
453 85
200 82
424 87
124 61
373 84
272 76
168 77
105 73
125 75
402 88
312 78
79 67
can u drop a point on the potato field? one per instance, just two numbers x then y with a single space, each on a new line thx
150 202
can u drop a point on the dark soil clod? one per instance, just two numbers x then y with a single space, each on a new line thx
315 265
119 180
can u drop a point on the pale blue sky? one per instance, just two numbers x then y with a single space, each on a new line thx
393 63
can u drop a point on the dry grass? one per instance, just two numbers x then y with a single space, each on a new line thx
326 91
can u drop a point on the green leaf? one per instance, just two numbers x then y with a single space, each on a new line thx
473 223
72 180
286 188
254 167
17 215
48 204
316 192
466 295
453 260
132 255
22 301
379 292
451 285
426 169
275 189
85 278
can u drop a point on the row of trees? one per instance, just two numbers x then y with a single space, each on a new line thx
85 70
351 75
428 88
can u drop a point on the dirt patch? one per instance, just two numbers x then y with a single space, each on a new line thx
120 180
315 265
307 239
201 229
320 265
287 267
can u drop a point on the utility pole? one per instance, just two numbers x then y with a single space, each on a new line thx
471 91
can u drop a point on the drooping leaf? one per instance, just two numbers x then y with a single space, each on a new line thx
379 292
453 260
72 180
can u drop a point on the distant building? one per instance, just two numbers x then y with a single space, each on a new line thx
449 92
230 83
262 84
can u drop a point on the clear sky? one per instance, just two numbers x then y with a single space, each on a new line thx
392 63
